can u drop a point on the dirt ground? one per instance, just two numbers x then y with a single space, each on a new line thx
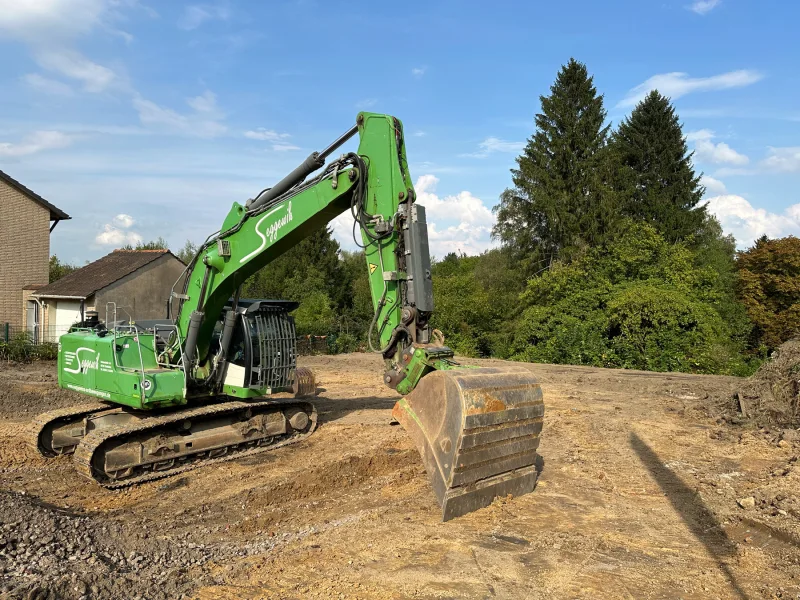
646 492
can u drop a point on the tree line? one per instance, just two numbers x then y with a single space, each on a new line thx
607 257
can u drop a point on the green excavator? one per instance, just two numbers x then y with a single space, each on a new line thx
217 379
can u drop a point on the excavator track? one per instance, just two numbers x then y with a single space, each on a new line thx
92 453
43 424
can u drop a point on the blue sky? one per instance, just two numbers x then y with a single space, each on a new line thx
144 119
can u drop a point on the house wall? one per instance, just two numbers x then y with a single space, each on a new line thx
24 251
143 293
56 317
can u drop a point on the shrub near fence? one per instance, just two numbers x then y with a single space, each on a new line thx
20 347
313 344
38 335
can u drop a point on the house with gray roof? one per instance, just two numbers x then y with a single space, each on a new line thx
129 285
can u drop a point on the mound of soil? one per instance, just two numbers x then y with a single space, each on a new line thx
31 389
772 395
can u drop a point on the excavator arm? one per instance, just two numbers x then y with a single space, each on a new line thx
477 429
375 185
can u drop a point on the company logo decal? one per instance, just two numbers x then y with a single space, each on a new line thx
84 359
270 231
84 364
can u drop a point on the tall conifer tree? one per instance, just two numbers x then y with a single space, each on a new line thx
655 178
560 201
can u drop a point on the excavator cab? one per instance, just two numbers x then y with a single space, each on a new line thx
262 357
262 353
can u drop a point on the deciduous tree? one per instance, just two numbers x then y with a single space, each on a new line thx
769 287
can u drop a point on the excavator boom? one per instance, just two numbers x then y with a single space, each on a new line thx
220 379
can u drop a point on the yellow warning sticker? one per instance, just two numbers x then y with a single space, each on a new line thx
372 268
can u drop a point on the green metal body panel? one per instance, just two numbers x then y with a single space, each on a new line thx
239 392
422 362
389 184
110 368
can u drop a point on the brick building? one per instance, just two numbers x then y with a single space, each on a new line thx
26 221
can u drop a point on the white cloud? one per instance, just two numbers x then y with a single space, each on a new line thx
366 103
268 135
783 160
35 142
418 71
713 186
47 85
708 152
118 233
72 64
493 144
204 103
463 207
123 220
195 15
702 7
700 134
675 85
459 238
50 28
204 121
748 223
419 133
112 236
279 140
38 21
459 223
342 227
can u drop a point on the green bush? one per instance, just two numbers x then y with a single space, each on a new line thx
639 303
20 348
346 342
661 329
548 335
47 351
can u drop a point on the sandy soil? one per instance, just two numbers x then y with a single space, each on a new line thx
639 498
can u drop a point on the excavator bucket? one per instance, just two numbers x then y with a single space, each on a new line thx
477 431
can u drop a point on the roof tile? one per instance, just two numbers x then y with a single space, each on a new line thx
101 273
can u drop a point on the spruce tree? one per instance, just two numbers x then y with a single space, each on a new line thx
560 201
655 179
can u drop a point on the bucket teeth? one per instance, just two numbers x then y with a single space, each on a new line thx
477 431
